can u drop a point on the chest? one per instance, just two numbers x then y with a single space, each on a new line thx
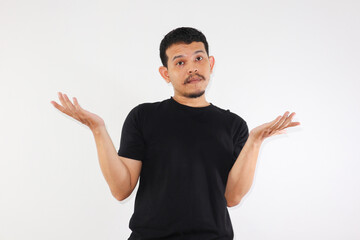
189 141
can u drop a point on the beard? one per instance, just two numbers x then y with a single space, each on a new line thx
195 94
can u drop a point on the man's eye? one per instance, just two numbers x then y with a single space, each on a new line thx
179 62
199 57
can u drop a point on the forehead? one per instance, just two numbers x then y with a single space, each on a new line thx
184 49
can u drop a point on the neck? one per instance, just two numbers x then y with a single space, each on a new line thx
192 102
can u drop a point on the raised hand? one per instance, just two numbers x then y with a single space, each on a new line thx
91 120
274 127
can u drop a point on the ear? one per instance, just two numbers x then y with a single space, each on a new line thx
212 62
164 73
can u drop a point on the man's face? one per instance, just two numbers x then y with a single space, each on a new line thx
188 62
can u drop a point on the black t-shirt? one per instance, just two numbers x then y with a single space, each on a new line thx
186 153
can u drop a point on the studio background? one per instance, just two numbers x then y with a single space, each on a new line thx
270 57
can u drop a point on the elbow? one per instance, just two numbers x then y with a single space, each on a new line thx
119 197
233 203
120 194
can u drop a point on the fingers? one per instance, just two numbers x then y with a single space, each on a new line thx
293 124
272 123
77 106
280 122
287 122
62 100
279 132
68 108
283 123
58 106
69 104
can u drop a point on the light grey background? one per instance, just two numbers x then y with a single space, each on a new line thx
270 57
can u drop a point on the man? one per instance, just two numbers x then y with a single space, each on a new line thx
194 159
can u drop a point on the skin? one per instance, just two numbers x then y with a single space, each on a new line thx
201 65
75 111
241 175
182 69
178 73
193 64
275 127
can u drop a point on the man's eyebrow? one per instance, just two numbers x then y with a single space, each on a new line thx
178 56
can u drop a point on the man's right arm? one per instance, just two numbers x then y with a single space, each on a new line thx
116 170
116 173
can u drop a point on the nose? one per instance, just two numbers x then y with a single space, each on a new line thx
192 70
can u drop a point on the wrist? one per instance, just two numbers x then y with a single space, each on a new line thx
98 129
255 141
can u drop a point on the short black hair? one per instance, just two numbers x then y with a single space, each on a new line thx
185 35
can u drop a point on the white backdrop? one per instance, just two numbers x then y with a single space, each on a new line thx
270 57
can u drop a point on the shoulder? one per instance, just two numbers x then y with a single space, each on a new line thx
236 118
230 115
145 106
236 121
142 110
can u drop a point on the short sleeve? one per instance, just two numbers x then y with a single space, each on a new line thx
132 144
241 135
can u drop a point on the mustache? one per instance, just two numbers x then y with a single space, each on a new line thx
196 74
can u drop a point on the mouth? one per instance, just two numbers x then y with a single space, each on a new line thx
194 80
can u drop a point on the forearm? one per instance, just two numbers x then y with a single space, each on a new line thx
241 175
114 170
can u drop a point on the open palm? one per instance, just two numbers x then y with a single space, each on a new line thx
274 127
90 119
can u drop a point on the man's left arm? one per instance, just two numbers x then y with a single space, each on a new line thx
241 175
242 172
